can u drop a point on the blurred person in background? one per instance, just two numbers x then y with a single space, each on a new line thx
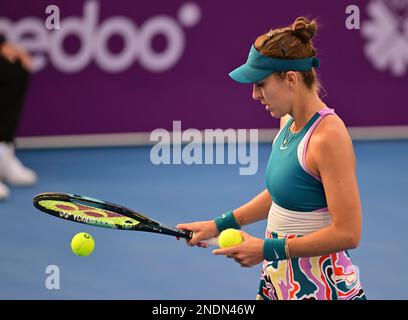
15 67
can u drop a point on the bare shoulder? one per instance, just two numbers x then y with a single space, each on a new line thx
331 141
330 129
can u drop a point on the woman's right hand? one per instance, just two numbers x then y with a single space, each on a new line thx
202 230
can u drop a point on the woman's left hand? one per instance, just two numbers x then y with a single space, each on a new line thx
248 254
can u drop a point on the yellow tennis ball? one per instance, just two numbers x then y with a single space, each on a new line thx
229 238
82 244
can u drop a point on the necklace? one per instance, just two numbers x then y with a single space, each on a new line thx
284 144
287 138
289 135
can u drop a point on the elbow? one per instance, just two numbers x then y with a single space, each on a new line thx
348 236
354 244
352 241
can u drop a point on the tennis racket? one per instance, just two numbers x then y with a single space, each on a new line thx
104 214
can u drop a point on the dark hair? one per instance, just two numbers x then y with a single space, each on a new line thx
292 42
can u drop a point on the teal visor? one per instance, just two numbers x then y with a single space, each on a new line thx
258 66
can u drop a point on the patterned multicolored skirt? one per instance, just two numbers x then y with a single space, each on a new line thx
329 277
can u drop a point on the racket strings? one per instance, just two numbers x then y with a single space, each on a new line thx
89 215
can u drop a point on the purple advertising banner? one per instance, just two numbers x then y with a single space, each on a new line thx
134 66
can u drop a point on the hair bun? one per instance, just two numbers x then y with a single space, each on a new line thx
304 29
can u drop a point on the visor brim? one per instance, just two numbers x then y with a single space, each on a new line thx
248 74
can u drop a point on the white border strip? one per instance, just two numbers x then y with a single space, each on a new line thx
143 138
85 140
379 133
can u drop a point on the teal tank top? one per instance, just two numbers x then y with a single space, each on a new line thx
288 180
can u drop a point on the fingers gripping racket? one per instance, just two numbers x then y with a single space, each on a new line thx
104 214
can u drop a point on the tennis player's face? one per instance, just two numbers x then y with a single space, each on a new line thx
274 94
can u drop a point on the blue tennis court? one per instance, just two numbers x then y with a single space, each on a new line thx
135 265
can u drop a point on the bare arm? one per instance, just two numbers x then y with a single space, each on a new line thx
255 210
335 161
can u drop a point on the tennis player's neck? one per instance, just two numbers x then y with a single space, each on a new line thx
303 116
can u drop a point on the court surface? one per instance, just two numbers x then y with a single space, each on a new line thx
135 265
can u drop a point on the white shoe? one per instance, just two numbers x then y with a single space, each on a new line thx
12 170
4 191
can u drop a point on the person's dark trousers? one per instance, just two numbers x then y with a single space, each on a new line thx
14 81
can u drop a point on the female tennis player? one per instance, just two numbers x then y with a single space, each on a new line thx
311 200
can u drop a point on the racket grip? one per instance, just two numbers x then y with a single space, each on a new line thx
211 241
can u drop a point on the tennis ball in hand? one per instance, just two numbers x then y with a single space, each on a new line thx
229 238
82 244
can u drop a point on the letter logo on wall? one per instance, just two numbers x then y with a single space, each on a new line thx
137 41
387 35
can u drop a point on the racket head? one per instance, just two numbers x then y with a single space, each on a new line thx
100 213
87 210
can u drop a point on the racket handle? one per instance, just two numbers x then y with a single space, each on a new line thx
211 241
